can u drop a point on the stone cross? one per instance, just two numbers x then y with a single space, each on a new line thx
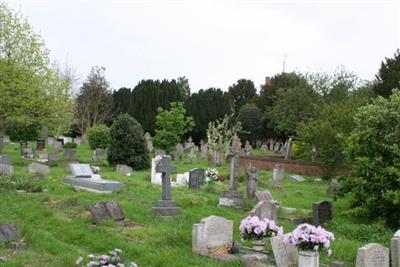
234 172
163 165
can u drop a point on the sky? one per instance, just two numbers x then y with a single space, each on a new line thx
215 43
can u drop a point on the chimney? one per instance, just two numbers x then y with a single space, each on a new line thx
268 80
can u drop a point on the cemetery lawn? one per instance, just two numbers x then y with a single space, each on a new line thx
58 228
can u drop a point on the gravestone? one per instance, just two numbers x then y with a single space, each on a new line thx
81 170
125 169
37 168
264 148
182 178
333 186
5 159
197 178
252 178
297 178
28 153
179 151
148 142
6 139
203 150
322 212
50 141
53 156
57 145
395 249
337 264
107 210
77 140
236 147
211 232
285 254
70 154
232 197
6 169
166 206
278 174
155 176
265 210
99 155
41 144
372 255
9 232
160 152
264 195
288 148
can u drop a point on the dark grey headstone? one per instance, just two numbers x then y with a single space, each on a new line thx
104 210
70 154
197 178
9 232
81 170
114 210
322 212
5 159
53 156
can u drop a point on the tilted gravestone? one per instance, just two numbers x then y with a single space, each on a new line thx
211 232
125 169
372 255
264 195
197 178
5 159
9 232
37 168
322 212
395 249
265 209
70 154
104 210
166 206
285 254
6 169
252 177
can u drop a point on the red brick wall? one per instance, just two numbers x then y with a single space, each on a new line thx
293 166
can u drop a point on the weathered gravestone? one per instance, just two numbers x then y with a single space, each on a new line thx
395 249
81 170
9 232
77 140
232 197
337 264
6 139
5 159
28 153
278 174
50 141
70 154
57 145
247 148
197 178
236 147
6 169
372 255
53 156
285 254
166 206
37 168
333 186
211 232
125 169
99 155
203 150
297 178
107 210
264 195
322 212
179 151
265 209
252 177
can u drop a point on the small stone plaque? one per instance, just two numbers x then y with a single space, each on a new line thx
81 170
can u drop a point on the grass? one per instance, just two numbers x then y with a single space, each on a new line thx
58 228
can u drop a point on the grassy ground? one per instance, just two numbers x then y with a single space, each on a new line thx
59 229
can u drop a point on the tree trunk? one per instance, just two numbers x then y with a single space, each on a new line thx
1 134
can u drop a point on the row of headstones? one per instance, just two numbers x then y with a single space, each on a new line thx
274 145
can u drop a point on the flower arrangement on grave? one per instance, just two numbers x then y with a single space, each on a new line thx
211 174
254 228
309 237
113 259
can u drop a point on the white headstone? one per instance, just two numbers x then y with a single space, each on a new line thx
395 249
182 178
155 176
81 170
285 254
211 232
297 178
372 255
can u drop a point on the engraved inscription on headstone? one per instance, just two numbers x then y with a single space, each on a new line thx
372 255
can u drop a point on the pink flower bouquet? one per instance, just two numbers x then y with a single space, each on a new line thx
254 228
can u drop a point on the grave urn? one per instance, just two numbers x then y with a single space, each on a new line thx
308 258
258 245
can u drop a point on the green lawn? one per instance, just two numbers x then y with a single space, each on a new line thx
58 232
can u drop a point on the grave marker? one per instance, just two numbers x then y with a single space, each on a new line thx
197 178
395 249
285 253
322 212
106 210
37 168
372 255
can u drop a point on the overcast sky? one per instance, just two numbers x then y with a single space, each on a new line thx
215 43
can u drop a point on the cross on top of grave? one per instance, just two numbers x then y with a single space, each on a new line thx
163 165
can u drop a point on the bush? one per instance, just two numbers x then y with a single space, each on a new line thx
127 144
374 150
99 136
15 182
70 145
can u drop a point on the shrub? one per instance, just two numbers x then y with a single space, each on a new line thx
127 144
70 145
15 182
99 136
374 151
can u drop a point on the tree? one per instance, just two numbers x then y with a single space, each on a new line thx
25 74
98 136
171 126
388 76
127 144
94 101
242 93
374 152
183 84
122 101
250 117
206 106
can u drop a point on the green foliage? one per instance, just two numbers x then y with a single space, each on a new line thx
99 136
388 77
127 144
70 145
374 151
206 106
250 117
242 93
23 132
171 126
18 182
